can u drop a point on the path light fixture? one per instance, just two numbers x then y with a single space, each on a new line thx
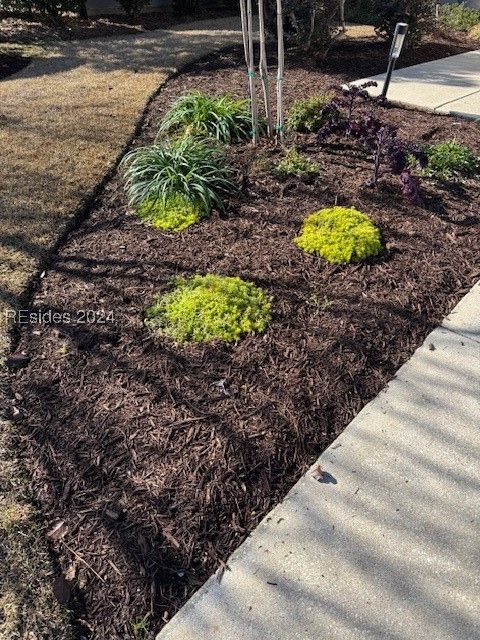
396 48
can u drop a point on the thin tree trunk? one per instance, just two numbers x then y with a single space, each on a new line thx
82 9
281 67
243 16
264 67
251 74
311 31
342 15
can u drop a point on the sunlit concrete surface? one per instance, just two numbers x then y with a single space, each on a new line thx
449 85
387 546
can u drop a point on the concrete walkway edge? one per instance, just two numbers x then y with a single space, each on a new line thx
448 86
385 547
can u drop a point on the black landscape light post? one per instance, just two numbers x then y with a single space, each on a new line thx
397 44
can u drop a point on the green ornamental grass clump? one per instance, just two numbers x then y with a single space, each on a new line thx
176 183
340 235
447 160
210 307
226 117
176 214
306 114
296 164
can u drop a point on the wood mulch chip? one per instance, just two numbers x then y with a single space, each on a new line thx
152 462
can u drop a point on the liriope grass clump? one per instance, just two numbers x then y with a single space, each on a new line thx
210 307
340 235
175 183
450 159
225 117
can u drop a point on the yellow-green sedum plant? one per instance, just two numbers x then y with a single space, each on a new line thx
340 235
210 307
176 214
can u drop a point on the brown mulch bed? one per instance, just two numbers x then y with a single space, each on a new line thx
370 57
11 64
160 459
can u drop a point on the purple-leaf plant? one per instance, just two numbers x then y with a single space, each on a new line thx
390 153
340 111
378 138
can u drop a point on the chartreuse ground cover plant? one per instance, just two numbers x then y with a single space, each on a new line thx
296 164
225 117
175 214
341 235
175 183
450 159
210 307
307 115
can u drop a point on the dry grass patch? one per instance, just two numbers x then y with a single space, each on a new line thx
65 120
361 31
55 154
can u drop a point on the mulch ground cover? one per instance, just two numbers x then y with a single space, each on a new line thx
152 462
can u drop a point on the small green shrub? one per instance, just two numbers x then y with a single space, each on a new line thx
451 159
458 16
176 214
296 164
192 168
226 117
340 235
133 8
361 11
210 307
305 115
419 14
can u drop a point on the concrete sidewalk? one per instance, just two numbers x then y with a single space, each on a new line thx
387 546
449 85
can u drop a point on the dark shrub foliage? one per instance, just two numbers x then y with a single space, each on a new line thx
419 14
185 6
50 8
309 24
133 7
362 11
